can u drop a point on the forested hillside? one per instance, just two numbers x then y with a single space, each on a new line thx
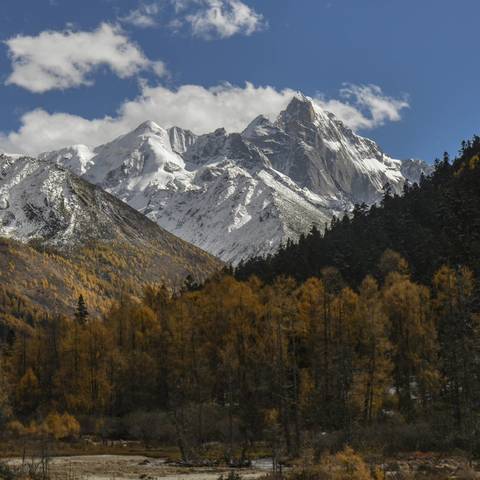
434 223
38 281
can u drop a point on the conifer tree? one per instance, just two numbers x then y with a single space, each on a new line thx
81 313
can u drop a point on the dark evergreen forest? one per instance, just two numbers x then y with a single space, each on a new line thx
432 224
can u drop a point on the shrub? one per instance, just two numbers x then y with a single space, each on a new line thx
60 426
230 476
345 465
56 425
6 473
16 429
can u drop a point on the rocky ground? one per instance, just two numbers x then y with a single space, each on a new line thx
132 467
138 467
427 466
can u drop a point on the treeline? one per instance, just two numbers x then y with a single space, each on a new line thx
432 224
238 362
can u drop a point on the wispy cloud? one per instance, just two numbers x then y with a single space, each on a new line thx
222 18
364 107
64 59
207 19
144 16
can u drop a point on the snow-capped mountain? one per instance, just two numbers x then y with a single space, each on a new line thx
51 205
77 158
241 194
413 168
318 152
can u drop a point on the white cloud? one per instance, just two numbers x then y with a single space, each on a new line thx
223 18
60 60
193 107
144 16
363 107
205 19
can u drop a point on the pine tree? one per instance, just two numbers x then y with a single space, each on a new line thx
81 313
190 284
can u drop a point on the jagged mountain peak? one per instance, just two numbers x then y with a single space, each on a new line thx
261 126
143 157
207 148
321 154
140 135
300 105
242 194
300 110
181 140
260 120
221 146
149 127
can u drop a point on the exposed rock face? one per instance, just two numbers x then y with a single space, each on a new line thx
52 206
320 153
412 169
237 195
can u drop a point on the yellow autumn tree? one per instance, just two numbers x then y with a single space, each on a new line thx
414 339
373 366
60 426
28 393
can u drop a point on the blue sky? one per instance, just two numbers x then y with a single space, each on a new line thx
127 59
